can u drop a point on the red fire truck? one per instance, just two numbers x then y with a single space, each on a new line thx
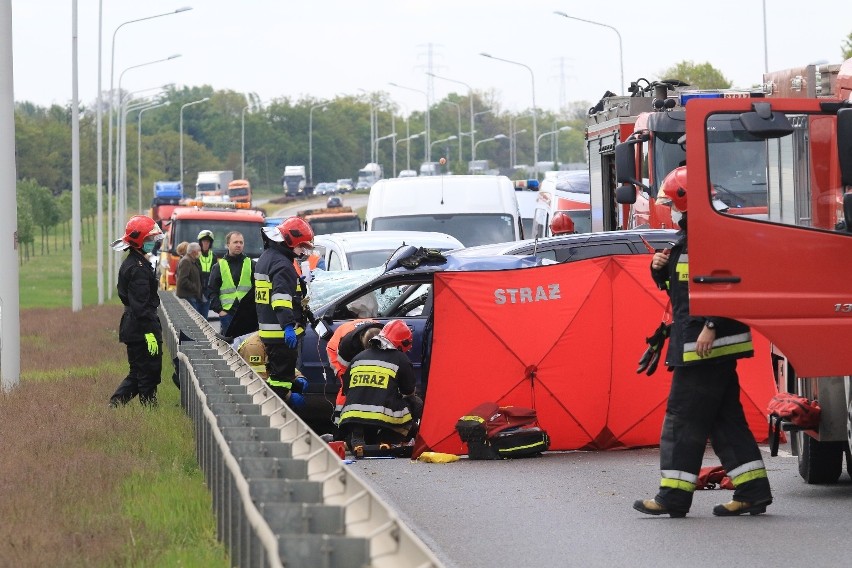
785 273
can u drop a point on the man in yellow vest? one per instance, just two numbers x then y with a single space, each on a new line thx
231 278
207 260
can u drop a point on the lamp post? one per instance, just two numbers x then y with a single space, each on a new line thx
449 138
121 188
407 141
514 146
139 150
379 139
534 113
551 133
470 98
204 100
242 142
620 50
323 106
373 126
496 137
427 122
458 109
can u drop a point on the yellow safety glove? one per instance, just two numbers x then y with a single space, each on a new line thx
153 346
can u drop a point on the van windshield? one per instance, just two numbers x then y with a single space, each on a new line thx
470 229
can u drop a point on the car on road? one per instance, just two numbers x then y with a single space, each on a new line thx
325 188
334 201
344 185
362 185
368 249
407 174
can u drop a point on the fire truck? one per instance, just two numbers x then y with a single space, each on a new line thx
784 272
221 218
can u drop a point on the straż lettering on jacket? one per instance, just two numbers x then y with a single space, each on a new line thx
525 295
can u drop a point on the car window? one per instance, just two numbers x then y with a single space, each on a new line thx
548 254
334 261
590 250
394 300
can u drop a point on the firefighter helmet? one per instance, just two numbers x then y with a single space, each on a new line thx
673 189
396 334
206 234
561 223
293 232
140 228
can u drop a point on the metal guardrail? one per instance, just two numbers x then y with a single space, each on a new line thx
281 495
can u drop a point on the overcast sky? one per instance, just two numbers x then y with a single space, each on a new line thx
321 48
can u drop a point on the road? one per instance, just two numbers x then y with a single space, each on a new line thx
355 201
575 509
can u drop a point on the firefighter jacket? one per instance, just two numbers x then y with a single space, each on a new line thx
346 343
733 339
137 290
374 385
188 278
227 287
278 294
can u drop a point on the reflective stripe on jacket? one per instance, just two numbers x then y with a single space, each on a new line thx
230 292
278 294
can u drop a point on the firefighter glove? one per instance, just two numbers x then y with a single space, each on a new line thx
651 357
290 337
296 401
300 385
153 346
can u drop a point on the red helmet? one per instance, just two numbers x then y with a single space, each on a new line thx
140 228
673 189
293 232
561 223
397 334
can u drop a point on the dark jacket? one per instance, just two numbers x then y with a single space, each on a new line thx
278 294
188 278
733 339
137 290
214 286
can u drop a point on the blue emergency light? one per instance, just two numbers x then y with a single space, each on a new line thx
684 97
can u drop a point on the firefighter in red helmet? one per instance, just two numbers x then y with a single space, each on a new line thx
704 397
278 300
561 224
381 403
140 328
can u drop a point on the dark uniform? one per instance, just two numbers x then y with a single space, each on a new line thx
704 400
207 261
278 300
137 289
227 287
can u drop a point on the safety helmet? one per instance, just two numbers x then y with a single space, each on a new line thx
673 189
395 334
140 228
561 223
293 232
206 234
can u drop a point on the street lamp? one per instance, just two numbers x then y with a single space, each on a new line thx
496 137
449 138
242 142
139 150
458 109
408 140
373 126
470 98
532 78
620 51
323 106
204 100
551 133
121 175
379 139
513 147
427 121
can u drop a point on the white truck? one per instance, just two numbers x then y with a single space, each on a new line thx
371 173
213 183
293 180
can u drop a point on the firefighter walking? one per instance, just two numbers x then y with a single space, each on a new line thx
140 326
704 400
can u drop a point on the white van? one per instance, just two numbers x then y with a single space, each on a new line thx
476 210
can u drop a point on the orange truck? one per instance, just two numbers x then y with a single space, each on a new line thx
331 220
785 273
221 218
239 191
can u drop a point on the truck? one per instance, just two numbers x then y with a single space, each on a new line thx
213 183
429 169
193 217
167 196
331 220
293 181
371 173
239 191
784 273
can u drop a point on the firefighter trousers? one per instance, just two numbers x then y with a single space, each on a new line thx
704 402
143 378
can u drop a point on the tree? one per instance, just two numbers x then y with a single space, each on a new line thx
847 47
699 76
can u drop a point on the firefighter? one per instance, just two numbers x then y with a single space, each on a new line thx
562 224
140 328
251 348
349 339
230 280
278 301
704 400
379 385
207 260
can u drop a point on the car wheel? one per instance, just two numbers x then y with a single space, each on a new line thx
819 462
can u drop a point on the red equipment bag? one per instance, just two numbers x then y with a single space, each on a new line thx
790 412
495 432
713 477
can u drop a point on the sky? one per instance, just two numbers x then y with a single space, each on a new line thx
324 48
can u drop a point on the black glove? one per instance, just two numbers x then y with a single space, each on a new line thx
651 357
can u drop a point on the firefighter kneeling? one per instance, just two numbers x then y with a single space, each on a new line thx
250 347
381 405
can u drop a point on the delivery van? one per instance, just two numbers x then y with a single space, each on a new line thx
475 209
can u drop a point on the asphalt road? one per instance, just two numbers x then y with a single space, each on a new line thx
575 509
349 200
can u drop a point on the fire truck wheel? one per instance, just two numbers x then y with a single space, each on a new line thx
819 462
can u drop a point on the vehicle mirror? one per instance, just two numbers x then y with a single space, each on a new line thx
625 163
844 147
765 124
625 194
847 211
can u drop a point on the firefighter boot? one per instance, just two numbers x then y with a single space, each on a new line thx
356 441
733 508
653 507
